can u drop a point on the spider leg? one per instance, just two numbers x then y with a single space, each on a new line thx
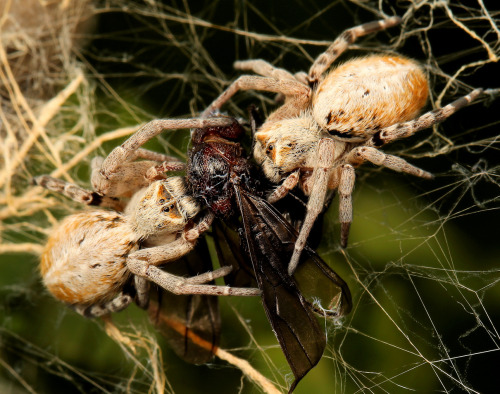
142 287
130 177
407 129
144 264
343 41
302 77
178 285
154 156
120 175
117 304
316 200
77 193
365 153
168 163
289 87
127 179
129 150
158 172
266 69
204 224
282 190
209 276
346 185
159 255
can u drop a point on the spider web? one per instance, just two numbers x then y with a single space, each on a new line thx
422 264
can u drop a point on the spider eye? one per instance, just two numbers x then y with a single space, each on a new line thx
161 201
269 149
166 209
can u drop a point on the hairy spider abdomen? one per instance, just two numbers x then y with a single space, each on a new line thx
364 95
84 261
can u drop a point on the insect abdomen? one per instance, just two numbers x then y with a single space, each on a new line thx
364 95
84 261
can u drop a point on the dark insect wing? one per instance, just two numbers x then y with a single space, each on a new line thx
293 323
190 323
326 291
228 247
269 243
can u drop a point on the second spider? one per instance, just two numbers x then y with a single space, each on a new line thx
332 122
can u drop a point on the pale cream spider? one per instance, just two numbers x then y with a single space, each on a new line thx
332 122
92 255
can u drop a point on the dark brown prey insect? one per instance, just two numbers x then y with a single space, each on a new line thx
220 175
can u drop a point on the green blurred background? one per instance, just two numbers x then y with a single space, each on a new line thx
423 261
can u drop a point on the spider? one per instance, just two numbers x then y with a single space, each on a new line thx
332 122
89 260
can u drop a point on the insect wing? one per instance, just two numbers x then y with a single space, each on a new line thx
190 323
293 322
228 246
324 289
